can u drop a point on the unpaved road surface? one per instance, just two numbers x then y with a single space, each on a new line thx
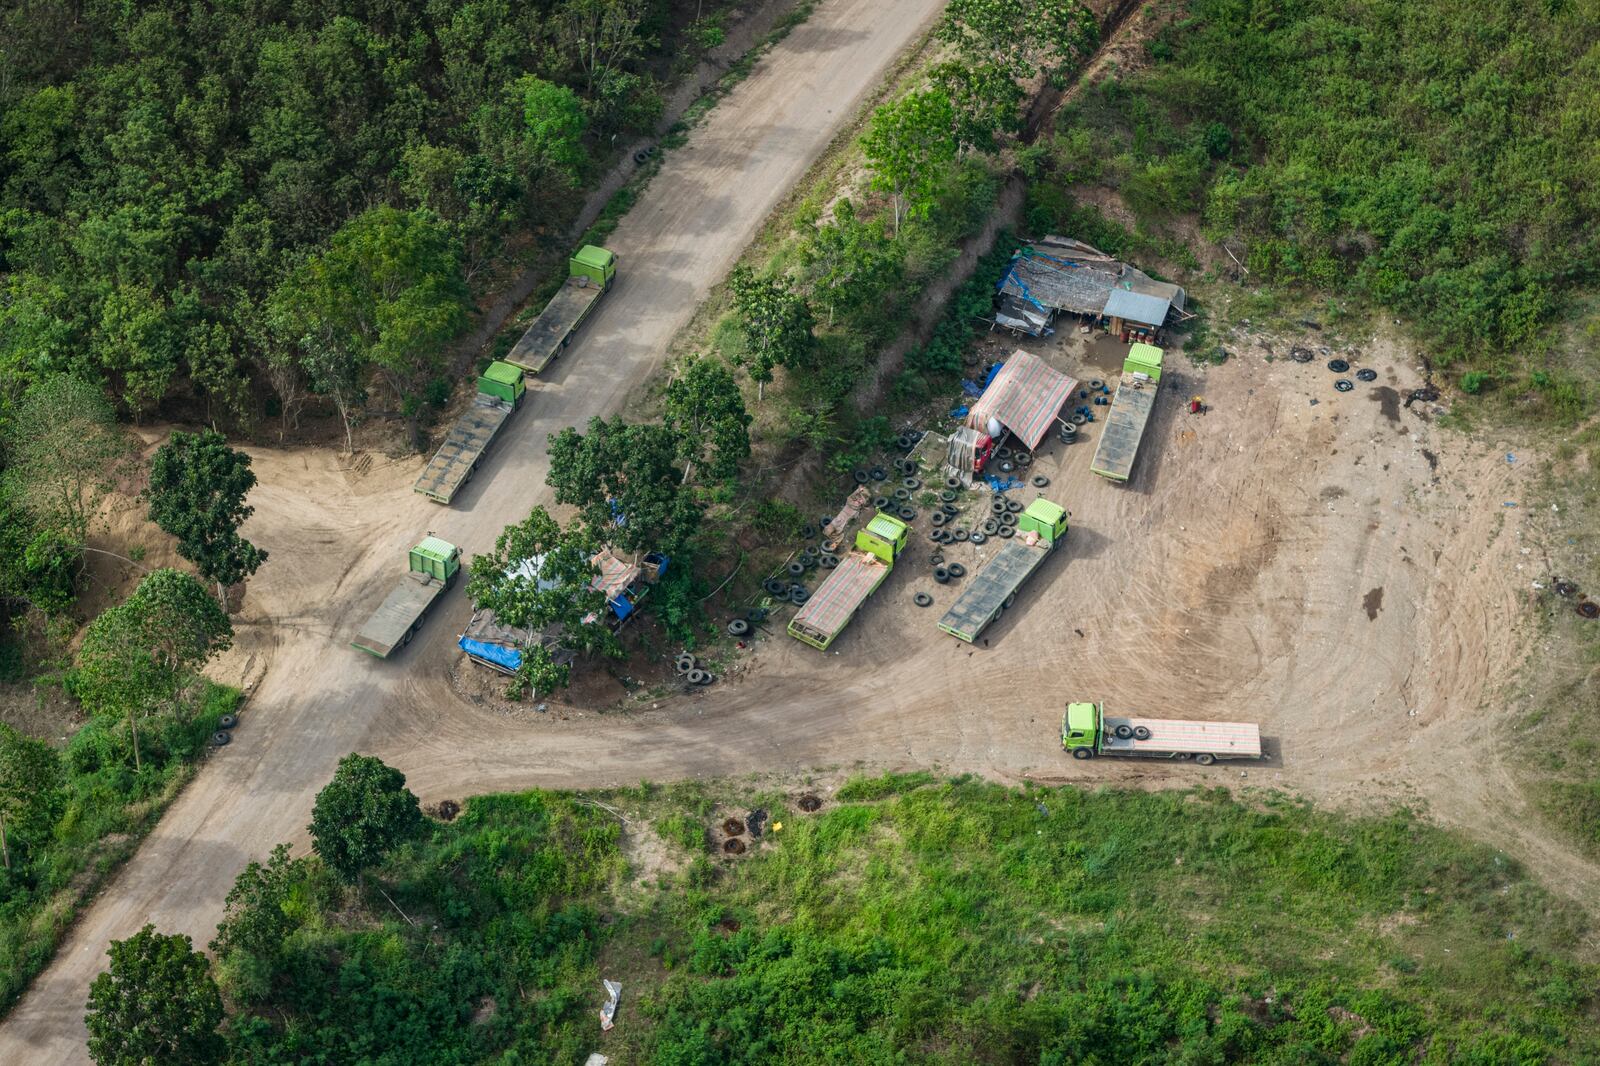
338 539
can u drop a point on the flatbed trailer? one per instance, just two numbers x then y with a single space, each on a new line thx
433 567
859 573
590 274
988 593
1131 406
1086 731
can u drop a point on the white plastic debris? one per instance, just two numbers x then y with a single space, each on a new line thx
595 1059
609 1012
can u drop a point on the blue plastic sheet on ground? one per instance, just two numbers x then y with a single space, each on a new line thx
999 484
959 412
989 377
972 388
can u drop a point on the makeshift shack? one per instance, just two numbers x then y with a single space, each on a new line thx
1024 399
1059 274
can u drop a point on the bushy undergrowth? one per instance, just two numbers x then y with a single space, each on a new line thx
923 920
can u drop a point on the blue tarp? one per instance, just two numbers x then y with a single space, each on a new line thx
993 370
510 658
1002 484
959 412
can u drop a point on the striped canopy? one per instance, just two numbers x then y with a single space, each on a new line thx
1025 396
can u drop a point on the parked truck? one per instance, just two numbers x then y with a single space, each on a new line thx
1130 413
1040 527
1087 732
432 569
500 392
590 274
847 586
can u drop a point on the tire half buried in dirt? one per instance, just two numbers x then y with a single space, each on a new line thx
808 803
733 846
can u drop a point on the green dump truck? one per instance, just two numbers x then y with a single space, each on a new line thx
847 586
1130 413
590 274
500 392
1087 732
1040 527
433 567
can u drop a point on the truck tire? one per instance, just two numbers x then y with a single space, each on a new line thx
939 518
1040 481
1205 758
922 599
1005 531
880 503
941 575
1014 506
908 514
878 473
695 677
1003 452
1008 521
1344 385
978 536
738 627
1006 606
773 587
991 527
796 568
685 663
1123 732
998 506
220 738
902 493
860 476
1096 385
956 570
947 496
829 560
959 535
1338 366
799 595
952 482
912 483
1082 753
228 721
1141 732
950 509
1068 430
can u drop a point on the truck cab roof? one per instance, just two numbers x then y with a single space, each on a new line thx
1081 717
436 549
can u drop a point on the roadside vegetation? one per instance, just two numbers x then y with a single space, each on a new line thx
1432 161
914 917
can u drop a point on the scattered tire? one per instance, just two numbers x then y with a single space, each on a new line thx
1344 385
221 737
1338 366
1589 609
922 599
1078 420
1565 589
959 535
1366 373
878 473
947 496
950 510
1014 506
978 536
1008 521
685 663
796 568
1141 732
939 518
952 482
808 532
799 595
1301 355
695 677
1040 481
828 560
1205 758
991 527
228 721
998 506
773 587
1003 453
1006 531
738 627
956 570
1096 385
902 493
1023 459
860 476
1069 429
908 514
880 502
912 483
733 827
733 846
641 156
941 575
808 803
1082 753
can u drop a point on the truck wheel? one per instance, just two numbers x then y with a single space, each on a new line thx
1123 732
922 599
1141 732
1338 366
1205 758
1082 753
227 721
1344 385
1003 453
1009 601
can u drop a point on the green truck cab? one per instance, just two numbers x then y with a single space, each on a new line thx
859 573
1047 519
504 382
597 264
432 568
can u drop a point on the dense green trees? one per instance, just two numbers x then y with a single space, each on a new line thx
156 1004
361 815
165 167
777 324
624 480
197 490
30 778
704 410
63 455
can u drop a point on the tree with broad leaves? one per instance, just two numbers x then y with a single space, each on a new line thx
599 35
554 119
704 408
624 479
986 99
910 144
361 815
850 261
777 324
64 454
539 673
197 490
157 1003
141 654
30 774
539 576
1019 37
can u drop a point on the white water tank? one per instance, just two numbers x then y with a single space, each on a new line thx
995 428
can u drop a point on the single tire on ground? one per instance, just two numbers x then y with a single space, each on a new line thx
978 536
956 570
860 476
220 737
1040 481
1366 373
1344 384
1338 366
738 627
1078 420
941 575
228 721
880 502
922 599
939 518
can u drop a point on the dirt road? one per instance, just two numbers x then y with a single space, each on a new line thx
338 540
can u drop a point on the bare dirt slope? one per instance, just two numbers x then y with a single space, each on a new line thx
338 537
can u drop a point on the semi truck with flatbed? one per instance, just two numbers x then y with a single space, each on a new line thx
1040 527
432 568
500 391
1130 413
590 274
857 576
1087 732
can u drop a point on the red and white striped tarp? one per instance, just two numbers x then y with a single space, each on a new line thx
837 598
615 574
1025 396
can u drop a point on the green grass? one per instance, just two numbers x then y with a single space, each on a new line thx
929 920
106 811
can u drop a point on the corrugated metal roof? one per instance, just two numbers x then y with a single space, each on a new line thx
504 373
1137 307
434 548
885 527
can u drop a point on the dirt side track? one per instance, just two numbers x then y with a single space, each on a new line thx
337 541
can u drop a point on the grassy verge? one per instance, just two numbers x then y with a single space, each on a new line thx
106 810
915 919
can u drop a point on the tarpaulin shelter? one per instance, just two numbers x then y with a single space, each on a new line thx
1025 397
